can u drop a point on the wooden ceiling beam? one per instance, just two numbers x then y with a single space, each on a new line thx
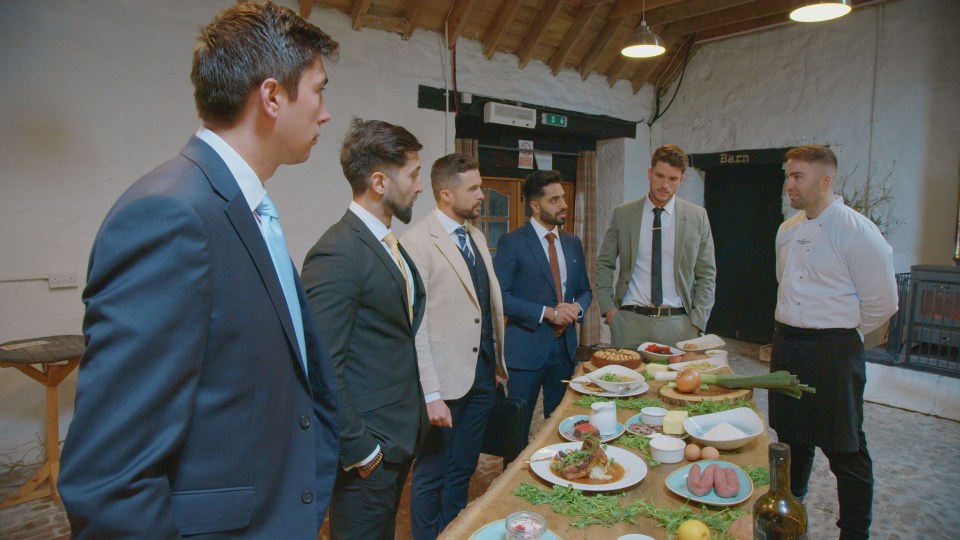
413 10
744 27
570 39
589 61
754 10
359 12
458 19
631 7
542 21
676 12
382 22
306 6
507 12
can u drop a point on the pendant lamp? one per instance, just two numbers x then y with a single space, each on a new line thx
821 11
644 43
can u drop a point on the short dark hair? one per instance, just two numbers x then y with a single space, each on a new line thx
446 171
535 182
246 44
672 155
813 153
372 145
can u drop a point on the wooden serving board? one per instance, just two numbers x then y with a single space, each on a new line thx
713 393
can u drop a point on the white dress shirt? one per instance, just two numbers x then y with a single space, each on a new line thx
451 227
542 233
379 231
249 182
835 271
638 290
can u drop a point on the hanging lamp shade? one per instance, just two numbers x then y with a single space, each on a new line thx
644 43
821 11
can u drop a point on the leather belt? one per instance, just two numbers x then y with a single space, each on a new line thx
654 311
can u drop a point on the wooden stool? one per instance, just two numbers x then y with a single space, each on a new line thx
57 357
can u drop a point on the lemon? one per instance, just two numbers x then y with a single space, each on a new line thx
692 529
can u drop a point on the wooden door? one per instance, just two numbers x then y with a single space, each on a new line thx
504 210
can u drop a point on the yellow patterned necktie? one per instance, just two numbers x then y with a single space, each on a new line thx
391 241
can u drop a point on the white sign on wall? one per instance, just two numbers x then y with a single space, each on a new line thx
526 155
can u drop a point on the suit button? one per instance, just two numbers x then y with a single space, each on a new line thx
476 321
304 422
307 497
476 349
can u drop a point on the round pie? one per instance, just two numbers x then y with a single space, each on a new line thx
621 357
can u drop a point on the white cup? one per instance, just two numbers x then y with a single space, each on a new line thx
604 417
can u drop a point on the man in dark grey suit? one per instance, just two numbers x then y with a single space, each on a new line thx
368 299
206 403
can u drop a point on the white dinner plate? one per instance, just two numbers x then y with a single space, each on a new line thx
578 385
634 467
497 531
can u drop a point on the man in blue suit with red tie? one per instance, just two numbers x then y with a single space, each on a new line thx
543 280
206 405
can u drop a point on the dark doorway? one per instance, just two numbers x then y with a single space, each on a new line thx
743 201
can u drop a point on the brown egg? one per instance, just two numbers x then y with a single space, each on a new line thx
709 452
691 452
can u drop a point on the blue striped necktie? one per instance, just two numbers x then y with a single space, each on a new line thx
464 247
277 245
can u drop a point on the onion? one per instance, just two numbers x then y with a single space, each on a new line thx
688 381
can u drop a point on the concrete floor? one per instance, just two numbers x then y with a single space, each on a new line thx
916 466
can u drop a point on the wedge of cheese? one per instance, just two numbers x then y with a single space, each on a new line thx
673 422
653 369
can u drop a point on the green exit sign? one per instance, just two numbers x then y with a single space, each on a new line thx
558 120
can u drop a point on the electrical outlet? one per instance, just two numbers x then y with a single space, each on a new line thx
66 280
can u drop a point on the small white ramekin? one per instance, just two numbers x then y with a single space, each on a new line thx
653 415
667 449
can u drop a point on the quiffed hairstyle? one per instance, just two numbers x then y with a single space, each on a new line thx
245 45
672 155
535 182
813 153
446 172
371 146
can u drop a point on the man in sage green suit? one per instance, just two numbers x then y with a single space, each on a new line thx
667 279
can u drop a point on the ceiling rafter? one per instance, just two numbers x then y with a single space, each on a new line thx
690 8
632 7
745 12
306 6
537 30
413 9
458 19
359 13
607 35
508 12
752 25
576 30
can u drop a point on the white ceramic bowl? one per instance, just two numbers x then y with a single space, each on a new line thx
653 415
634 382
702 343
667 449
657 357
743 418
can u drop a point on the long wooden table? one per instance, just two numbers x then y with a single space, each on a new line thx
498 501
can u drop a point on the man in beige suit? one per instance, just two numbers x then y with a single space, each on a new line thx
459 343
667 278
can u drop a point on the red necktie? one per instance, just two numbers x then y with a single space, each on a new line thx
555 270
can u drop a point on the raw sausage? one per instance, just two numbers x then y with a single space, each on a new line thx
725 482
700 484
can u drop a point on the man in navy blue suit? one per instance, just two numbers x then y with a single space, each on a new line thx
543 279
206 405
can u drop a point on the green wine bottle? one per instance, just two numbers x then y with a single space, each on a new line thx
777 514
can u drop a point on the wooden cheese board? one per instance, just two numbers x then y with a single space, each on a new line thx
713 393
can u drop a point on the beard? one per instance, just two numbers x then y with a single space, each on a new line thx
470 213
552 219
400 211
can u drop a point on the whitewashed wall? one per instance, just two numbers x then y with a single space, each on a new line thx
97 92
881 86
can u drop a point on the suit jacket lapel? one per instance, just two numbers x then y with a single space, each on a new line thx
569 257
636 217
364 234
536 251
680 221
241 217
451 252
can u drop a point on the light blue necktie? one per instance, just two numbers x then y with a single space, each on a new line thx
462 238
277 245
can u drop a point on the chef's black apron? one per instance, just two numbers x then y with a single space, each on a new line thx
832 361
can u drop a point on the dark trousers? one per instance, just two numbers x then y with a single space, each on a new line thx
854 472
366 508
441 474
526 383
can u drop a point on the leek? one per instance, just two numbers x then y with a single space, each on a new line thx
778 381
